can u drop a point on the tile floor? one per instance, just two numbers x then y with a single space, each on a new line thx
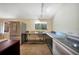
34 49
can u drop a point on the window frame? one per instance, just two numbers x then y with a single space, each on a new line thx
41 26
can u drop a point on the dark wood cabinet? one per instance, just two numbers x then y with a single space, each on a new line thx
23 38
49 42
10 47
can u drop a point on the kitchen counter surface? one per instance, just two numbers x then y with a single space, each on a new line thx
9 47
70 43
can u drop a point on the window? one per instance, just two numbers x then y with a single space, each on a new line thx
40 26
1 32
1 28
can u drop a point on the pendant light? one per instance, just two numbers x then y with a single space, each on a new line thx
42 7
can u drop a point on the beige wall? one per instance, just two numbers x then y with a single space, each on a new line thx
30 24
4 35
67 19
49 24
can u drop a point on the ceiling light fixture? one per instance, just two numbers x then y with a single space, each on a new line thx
42 7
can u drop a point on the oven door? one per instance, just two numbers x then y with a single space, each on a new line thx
61 49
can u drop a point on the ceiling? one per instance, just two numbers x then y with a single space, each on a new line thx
27 10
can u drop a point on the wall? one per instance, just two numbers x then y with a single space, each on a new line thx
1 27
3 35
67 19
30 24
49 24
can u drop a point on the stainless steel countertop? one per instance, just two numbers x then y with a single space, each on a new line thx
67 42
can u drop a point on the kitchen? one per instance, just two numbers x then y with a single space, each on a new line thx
40 28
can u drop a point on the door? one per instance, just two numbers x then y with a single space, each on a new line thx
14 30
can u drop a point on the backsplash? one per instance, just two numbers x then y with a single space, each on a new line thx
73 34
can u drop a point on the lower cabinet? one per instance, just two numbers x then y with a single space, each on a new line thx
49 42
61 49
10 47
23 38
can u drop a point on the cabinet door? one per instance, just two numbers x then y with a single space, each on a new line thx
14 28
59 49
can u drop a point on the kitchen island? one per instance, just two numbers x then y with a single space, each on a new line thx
62 45
10 47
